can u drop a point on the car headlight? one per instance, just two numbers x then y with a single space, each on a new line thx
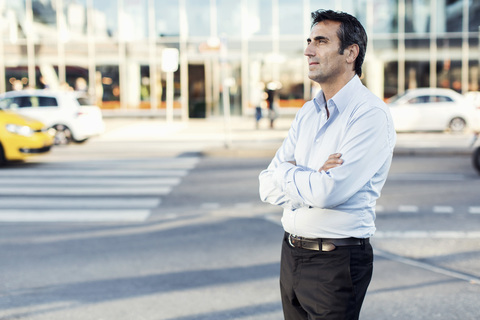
20 130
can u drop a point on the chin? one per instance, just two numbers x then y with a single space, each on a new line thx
315 77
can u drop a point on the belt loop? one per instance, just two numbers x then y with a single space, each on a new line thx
363 244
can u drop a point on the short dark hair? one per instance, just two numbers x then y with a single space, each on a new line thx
350 32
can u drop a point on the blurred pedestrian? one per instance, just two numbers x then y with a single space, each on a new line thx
327 176
272 110
258 99
258 115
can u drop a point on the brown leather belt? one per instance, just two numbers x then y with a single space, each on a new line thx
324 244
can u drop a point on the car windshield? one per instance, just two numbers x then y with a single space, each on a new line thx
4 103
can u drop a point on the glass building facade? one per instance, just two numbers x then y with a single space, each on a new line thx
228 51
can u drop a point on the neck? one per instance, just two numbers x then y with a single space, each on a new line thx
330 88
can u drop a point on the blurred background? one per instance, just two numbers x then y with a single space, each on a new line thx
161 220
115 50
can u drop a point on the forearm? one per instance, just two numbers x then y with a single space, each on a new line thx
364 151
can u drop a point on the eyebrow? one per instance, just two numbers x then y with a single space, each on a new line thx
317 38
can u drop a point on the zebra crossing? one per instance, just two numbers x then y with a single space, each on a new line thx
93 191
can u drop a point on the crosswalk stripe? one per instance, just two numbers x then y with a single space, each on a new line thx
94 173
73 215
78 203
123 164
90 191
186 162
77 181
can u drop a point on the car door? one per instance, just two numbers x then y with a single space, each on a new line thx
431 113
446 109
438 112
406 114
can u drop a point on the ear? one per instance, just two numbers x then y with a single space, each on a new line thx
351 53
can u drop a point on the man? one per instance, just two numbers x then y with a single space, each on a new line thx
327 176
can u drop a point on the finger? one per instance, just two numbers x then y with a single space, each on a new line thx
331 165
328 166
334 161
334 155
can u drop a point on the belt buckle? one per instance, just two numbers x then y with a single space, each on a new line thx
290 240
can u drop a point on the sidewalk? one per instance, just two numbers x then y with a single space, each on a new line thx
238 137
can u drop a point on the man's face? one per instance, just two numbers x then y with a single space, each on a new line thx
325 63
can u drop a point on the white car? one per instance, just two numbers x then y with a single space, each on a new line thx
59 110
433 109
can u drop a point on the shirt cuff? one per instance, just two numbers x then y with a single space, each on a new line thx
282 178
280 174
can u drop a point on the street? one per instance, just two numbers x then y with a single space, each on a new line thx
135 228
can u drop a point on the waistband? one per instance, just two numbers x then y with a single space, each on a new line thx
324 244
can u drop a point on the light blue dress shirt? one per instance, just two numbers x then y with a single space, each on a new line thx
339 203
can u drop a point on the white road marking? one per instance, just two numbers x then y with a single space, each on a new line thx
77 181
426 266
91 191
210 205
94 173
418 234
426 177
151 164
70 215
85 191
474 210
443 209
423 234
407 208
78 203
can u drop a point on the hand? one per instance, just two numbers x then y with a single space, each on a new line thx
332 162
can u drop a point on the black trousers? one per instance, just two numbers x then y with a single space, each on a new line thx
318 285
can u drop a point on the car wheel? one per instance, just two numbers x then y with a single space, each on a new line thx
457 125
476 159
63 135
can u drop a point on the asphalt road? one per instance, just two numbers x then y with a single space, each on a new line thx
143 230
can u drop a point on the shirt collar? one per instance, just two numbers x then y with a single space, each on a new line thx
341 98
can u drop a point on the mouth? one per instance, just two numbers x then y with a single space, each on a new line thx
311 63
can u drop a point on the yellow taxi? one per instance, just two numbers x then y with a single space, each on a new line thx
21 137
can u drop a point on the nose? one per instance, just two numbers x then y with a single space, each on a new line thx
308 52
